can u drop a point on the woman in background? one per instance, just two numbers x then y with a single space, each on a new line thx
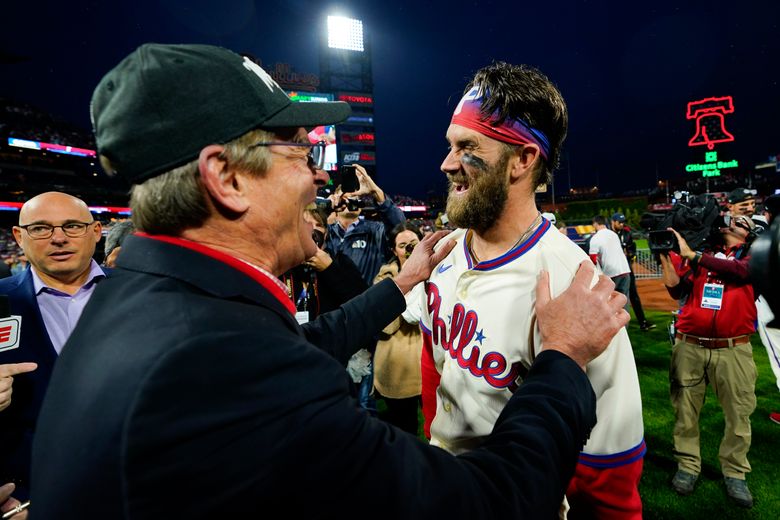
397 358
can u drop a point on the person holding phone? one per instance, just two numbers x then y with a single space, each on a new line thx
364 241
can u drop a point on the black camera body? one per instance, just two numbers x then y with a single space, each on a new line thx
662 241
355 204
764 267
326 205
696 217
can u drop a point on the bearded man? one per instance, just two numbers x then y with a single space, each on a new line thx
480 332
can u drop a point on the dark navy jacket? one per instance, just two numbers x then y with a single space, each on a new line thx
17 422
188 390
366 243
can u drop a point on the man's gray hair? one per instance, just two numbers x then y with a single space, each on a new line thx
176 200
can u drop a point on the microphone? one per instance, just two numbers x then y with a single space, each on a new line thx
10 326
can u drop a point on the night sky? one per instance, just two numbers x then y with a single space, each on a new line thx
626 72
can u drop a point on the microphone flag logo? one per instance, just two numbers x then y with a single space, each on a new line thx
9 332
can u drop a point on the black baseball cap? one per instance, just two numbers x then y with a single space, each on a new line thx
162 104
741 195
619 217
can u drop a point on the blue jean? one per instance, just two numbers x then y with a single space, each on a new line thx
623 286
364 392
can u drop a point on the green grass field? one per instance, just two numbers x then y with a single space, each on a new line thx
652 351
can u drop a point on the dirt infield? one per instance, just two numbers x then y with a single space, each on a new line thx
654 295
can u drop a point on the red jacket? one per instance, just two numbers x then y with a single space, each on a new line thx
737 315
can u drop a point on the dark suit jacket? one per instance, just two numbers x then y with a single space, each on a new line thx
189 391
17 422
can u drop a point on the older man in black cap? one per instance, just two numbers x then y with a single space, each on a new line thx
191 391
620 227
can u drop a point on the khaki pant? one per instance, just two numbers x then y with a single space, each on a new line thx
732 374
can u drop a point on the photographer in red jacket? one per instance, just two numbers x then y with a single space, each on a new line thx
712 344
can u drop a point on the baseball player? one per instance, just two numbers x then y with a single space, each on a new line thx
479 330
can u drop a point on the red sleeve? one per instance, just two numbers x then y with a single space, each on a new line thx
595 258
683 270
430 382
735 270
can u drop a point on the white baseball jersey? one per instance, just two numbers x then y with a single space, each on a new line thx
481 326
606 244
770 336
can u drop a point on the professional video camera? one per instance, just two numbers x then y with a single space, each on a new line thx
326 205
765 268
696 217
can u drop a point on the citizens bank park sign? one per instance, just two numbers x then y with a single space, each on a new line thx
710 117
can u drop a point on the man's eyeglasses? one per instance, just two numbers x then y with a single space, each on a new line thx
71 229
315 155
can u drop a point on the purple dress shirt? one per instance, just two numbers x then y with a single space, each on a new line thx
60 310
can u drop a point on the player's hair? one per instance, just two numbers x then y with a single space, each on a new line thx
600 220
523 92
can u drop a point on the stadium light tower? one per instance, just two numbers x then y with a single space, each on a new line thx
345 71
345 33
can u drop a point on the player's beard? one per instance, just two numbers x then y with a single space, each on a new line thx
487 194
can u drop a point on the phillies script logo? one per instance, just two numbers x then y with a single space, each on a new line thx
9 333
462 327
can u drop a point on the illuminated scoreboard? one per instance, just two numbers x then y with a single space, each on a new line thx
356 134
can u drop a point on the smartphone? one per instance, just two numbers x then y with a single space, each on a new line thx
349 180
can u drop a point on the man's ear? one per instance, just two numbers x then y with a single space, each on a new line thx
523 161
223 184
17 231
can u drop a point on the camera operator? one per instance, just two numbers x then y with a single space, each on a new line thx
712 343
364 241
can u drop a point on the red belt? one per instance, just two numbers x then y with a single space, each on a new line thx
713 342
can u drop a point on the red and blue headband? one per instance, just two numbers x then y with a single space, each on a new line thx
511 131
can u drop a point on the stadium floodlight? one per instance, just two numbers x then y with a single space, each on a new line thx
345 33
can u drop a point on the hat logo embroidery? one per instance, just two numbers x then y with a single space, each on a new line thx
263 75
